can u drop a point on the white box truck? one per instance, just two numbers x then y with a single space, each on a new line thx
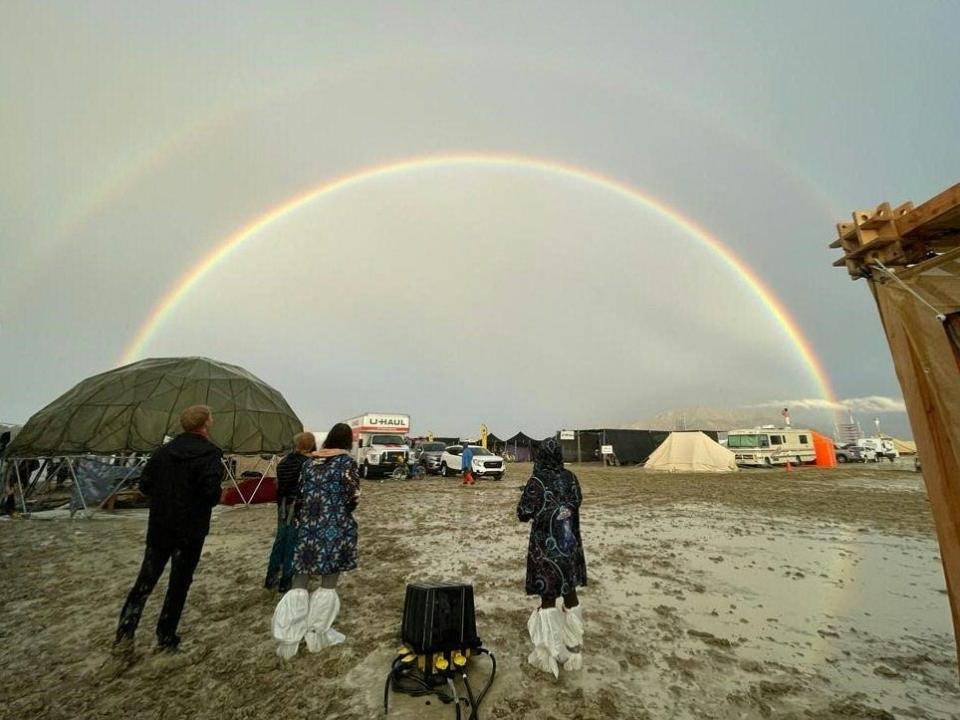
882 448
380 442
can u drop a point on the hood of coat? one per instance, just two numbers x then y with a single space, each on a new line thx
190 446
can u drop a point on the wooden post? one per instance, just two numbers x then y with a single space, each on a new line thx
910 258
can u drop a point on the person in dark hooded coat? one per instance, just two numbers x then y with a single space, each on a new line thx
556 566
280 565
182 480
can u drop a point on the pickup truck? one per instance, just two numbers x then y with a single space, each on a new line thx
851 452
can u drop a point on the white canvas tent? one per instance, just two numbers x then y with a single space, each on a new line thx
904 447
691 452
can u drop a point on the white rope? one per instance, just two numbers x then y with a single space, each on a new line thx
880 266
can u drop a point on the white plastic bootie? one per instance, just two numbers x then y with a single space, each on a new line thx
324 608
546 633
573 637
290 621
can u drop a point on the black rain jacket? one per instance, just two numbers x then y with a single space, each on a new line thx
182 479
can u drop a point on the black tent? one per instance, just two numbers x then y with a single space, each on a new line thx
522 447
495 444
630 446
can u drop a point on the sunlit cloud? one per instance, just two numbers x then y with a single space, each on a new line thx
868 404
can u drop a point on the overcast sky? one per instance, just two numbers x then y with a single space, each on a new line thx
135 137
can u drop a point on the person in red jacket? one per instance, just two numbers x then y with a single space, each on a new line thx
182 480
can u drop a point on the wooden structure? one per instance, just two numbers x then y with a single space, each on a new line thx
910 257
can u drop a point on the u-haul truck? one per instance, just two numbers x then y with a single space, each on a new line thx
379 442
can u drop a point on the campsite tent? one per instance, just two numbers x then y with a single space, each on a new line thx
691 452
132 408
904 447
129 411
522 447
495 444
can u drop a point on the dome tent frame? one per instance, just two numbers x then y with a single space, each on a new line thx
134 409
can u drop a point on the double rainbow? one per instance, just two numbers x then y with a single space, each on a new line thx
186 282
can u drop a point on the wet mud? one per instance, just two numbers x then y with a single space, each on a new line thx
811 594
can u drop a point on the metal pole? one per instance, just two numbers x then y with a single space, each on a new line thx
579 458
23 500
226 467
263 476
76 485
122 482
33 479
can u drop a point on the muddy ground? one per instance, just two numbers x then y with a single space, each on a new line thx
814 594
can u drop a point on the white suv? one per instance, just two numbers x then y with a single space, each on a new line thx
485 463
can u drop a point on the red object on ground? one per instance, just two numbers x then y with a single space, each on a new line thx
266 494
823 447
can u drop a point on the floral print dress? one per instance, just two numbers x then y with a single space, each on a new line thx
551 504
325 527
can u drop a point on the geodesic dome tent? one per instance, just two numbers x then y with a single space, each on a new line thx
127 413
132 408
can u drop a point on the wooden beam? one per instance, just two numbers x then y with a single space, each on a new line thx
944 209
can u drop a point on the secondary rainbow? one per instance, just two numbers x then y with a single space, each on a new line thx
181 288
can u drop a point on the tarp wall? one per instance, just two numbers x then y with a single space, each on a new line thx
630 446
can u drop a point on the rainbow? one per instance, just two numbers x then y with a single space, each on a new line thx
181 288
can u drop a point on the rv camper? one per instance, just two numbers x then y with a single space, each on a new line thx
768 446
380 442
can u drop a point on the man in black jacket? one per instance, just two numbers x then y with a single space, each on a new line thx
182 479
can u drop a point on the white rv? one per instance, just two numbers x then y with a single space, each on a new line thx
380 442
769 446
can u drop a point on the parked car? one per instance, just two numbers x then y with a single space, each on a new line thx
851 452
428 454
485 463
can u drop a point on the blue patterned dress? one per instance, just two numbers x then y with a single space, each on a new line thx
551 504
326 530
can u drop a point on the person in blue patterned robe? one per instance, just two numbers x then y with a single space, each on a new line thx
325 527
325 546
556 566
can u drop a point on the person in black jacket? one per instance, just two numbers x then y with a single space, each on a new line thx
279 567
182 479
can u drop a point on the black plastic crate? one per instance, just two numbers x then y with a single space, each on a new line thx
439 617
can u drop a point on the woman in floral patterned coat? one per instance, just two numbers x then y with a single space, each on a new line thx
326 545
555 562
